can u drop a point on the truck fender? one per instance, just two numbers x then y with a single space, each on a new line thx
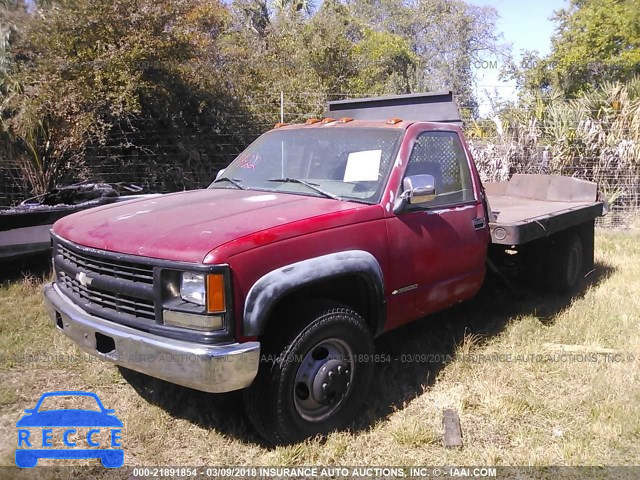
271 287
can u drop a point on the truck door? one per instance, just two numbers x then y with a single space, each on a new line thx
439 247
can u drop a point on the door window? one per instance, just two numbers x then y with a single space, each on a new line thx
441 155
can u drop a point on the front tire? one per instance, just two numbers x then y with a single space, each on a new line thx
313 379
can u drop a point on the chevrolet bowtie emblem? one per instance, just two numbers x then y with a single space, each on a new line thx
84 279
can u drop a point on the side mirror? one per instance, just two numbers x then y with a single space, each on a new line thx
419 189
220 173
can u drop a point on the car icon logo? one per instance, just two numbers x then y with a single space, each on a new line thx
69 433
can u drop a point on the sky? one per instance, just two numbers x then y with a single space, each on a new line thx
526 25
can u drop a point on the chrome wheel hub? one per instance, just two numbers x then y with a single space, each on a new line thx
323 380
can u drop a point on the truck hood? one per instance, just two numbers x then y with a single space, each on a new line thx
186 226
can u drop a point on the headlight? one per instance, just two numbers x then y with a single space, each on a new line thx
193 288
205 290
206 294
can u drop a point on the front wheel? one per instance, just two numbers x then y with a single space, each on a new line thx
313 380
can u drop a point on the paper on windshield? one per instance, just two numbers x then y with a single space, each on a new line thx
363 166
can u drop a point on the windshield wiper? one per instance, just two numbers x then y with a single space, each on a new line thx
312 186
232 181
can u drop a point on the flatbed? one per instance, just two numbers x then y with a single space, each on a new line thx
530 207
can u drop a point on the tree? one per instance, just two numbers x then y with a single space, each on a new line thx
595 40
96 73
13 14
390 46
294 7
135 82
252 15
446 38
385 64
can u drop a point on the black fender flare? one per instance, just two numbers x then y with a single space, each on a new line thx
273 286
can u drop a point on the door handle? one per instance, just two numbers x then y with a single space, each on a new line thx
479 223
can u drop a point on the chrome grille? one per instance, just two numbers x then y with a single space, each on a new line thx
121 291
120 303
121 270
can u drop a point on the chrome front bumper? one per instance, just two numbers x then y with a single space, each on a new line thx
210 368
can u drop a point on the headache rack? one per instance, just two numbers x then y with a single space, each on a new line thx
416 107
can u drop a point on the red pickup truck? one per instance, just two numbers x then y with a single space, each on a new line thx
316 239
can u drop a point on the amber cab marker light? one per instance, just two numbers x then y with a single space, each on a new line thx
328 120
346 120
215 293
393 121
311 121
279 124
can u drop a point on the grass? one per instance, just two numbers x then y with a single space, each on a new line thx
546 380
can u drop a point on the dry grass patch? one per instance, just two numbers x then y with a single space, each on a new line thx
541 381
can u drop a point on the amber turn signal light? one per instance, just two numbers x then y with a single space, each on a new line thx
215 293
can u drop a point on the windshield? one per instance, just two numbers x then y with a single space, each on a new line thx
346 163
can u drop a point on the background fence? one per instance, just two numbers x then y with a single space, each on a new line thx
143 158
